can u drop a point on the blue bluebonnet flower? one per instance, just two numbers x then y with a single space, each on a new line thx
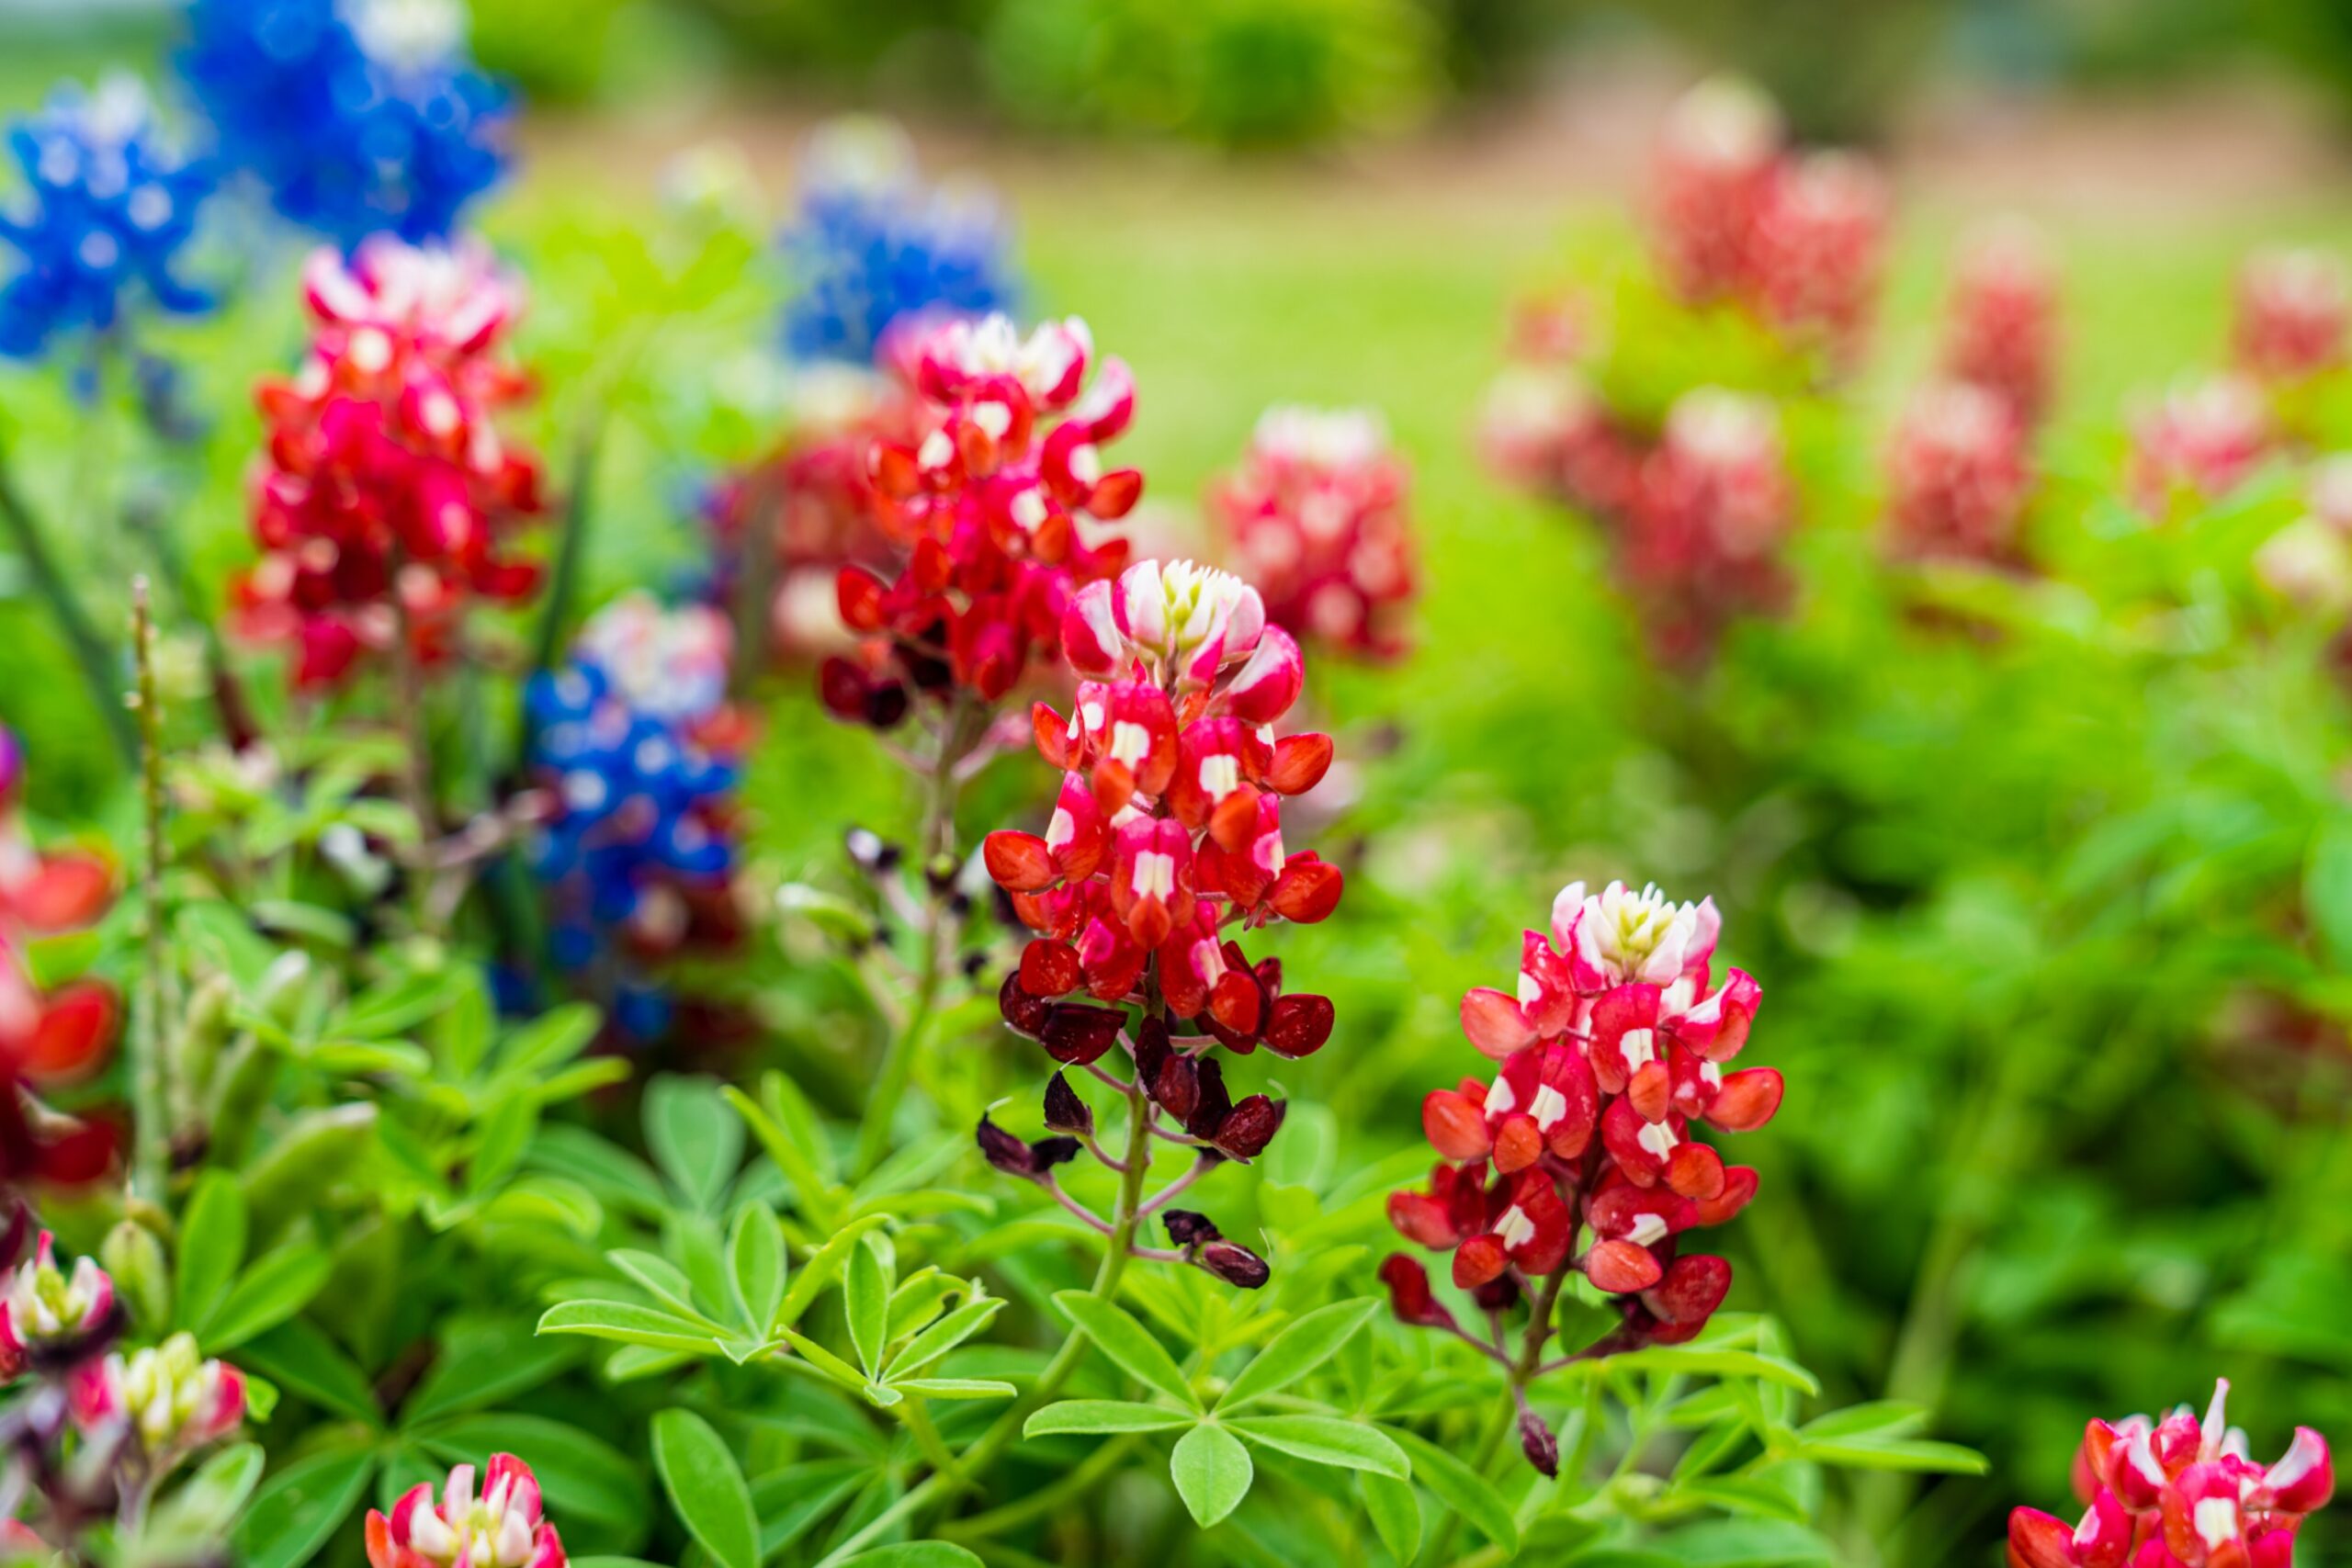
872 243
107 207
360 117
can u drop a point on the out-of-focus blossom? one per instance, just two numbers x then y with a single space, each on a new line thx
669 664
1579 1154
872 245
360 117
501 1528
1713 171
2197 444
2179 1493
107 207
385 485
1957 476
1700 546
169 1394
51 1318
2001 323
2309 562
1818 249
2293 308
1317 517
991 513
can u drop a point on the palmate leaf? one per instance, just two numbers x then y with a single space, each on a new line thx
1212 1472
865 1294
1308 1342
630 1325
694 1139
706 1488
755 1259
943 1337
1325 1440
1092 1415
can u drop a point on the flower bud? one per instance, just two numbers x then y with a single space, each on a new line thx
141 1278
1235 1265
174 1398
1536 1441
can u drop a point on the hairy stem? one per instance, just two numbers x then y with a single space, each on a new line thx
151 1137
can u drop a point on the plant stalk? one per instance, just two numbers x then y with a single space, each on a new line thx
90 652
151 1139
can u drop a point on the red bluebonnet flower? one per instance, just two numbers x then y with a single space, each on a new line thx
501 1528
1316 518
2197 444
1579 1154
387 485
1817 251
169 1395
1700 546
1957 476
1717 159
2179 1493
51 1318
993 508
2001 323
2293 311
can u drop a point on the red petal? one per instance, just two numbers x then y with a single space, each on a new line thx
1747 1101
1019 861
1478 1260
73 1031
1300 763
1494 1023
1306 891
1298 1025
1454 1127
1619 1267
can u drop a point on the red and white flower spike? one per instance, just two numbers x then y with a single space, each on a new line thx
2197 444
1957 476
1315 517
1610 1047
1717 159
2179 1493
501 1528
2309 562
44 1309
1818 249
2294 309
2001 323
174 1399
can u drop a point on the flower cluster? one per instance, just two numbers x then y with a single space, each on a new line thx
2001 320
2179 1493
107 206
46 1037
53 1319
1317 519
501 1528
1958 474
2197 444
1166 844
2309 562
2293 311
387 493
1578 1157
633 738
872 245
170 1396
988 511
360 117
1735 216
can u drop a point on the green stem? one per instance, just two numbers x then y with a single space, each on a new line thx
916 1499
934 1448
1498 1428
571 547
73 623
1080 1479
151 1135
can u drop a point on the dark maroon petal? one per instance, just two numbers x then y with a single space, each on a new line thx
1065 1113
1498 1294
886 705
1235 1265
1409 1295
1005 1152
1298 1025
843 688
1214 1104
1536 1441
1187 1229
1175 1085
1047 1153
1075 1033
1693 1288
1023 1012
1250 1127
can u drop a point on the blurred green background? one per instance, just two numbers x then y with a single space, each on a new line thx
2055 926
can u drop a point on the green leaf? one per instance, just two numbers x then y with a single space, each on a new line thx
1129 1344
823 1266
866 1300
2327 890
664 1281
504 1135
298 1355
272 1291
1308 1342
629 1324
913 1554
1102 1416
301 1507
824 1361
943 1337
1212 1472
692 1139
1395 1510
1879 1418
1325 1440
1460 1488
206 1504
1895 1453
706 1488
550 1040
792 1154
212 1245
955 1388
482 1367
755 1262
583 1476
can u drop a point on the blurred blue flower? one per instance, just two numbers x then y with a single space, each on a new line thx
872 243
638 811
106 206
360 117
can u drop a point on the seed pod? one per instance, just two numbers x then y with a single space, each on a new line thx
1536 1441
